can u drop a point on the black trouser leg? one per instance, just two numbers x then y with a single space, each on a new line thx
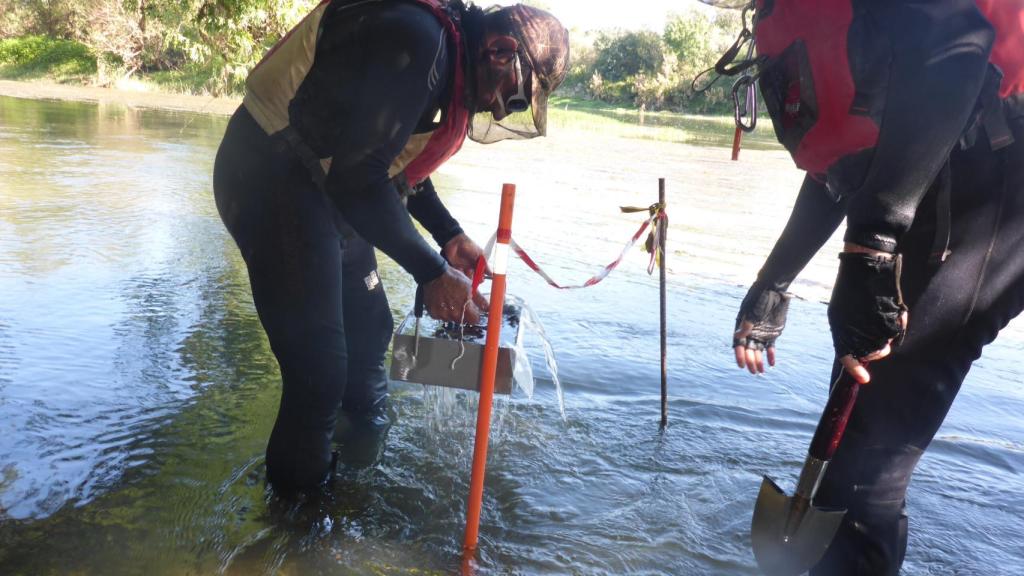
369 325
955 310
288 234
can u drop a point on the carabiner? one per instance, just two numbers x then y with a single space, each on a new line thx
749 104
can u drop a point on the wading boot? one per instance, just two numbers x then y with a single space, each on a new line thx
362 434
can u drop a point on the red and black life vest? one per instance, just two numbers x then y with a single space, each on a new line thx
1007 16
818 59
273 83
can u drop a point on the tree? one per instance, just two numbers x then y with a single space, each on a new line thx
225 38
689 36
623 55
217 39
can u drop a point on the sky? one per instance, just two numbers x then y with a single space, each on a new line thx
602 14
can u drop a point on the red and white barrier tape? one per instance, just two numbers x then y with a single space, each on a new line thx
657 221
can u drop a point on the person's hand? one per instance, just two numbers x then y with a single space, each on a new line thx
760 321
463 253
866 313
445 297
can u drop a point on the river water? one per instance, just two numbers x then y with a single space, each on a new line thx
137 389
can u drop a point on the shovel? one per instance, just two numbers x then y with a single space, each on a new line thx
790 534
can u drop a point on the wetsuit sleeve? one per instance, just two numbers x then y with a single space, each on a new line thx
940 54
427 208
383 76
811 223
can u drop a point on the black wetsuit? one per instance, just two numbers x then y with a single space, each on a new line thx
314 281
926 145
956 308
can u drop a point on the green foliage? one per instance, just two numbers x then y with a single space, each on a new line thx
622 55
689 37
653 72
581 67
228 37
209 46
54 18
39 56
213 43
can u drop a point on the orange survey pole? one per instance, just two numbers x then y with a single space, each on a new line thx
499 265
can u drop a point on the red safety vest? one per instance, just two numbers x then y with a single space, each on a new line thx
1007 16
820 113
273 83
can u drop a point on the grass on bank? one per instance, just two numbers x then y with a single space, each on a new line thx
576 114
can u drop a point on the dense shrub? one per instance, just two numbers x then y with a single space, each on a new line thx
651 71
623 55
213 43
38 56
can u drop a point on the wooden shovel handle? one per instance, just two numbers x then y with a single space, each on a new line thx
833 420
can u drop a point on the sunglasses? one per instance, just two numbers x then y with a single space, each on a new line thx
518 102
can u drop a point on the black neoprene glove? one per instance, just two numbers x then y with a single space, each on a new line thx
864 312
766 309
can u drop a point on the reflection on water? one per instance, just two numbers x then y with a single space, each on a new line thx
137 389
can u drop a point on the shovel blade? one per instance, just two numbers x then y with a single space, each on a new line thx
778 555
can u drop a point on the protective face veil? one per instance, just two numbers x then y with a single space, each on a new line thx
540 63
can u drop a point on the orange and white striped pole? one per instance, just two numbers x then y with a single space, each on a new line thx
499 265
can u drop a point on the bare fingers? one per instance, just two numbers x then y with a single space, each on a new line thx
741 356
480 301
855 369
749 358
740 351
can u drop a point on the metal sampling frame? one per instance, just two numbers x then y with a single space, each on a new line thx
432 360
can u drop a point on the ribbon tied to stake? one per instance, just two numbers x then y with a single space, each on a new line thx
657 221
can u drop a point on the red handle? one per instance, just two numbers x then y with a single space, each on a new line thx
478 274
833 420
736 138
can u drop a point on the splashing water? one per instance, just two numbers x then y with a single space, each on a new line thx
446 409
531 322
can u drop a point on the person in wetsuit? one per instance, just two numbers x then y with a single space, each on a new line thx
342 122
932 176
